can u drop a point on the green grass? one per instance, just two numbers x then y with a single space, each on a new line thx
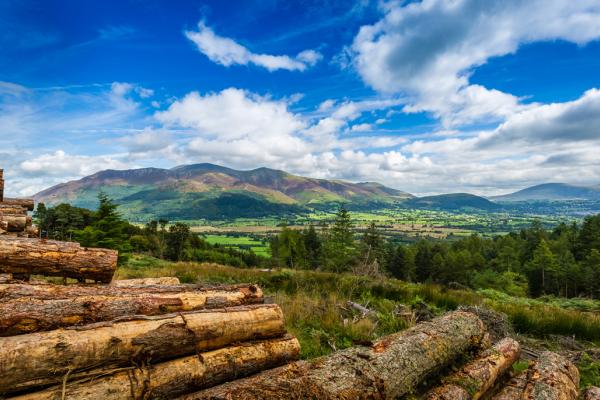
240 242
322 289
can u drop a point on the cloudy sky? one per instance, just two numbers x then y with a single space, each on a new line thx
425 96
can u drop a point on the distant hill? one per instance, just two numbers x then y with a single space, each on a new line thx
452 202
552 192
208 191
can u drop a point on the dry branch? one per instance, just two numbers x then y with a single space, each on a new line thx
478 376
27 315
44 358
388 369
53 258
552 377
172 378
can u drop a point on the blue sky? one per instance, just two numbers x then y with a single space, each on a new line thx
425 96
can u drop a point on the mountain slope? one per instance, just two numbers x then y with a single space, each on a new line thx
214 192
452 202
552 192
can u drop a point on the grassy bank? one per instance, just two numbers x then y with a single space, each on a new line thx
313 302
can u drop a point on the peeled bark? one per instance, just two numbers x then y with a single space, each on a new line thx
514 388
389 369
15 223
53 258
591 393
43 358
552 377
24 315
183 375
163 280
479 375
27 203
216 295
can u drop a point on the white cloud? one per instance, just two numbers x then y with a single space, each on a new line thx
428 49
227 52
361 127
62 164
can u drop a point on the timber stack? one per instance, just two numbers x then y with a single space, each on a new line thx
13 214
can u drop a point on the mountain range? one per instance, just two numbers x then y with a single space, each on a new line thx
208 191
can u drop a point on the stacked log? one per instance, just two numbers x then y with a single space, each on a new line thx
13 214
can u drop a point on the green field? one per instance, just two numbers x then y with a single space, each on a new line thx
258 246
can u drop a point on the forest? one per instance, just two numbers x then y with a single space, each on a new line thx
564 261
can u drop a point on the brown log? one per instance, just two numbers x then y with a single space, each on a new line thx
552 377
591 393
26 315
12 210
15 223
163 280
172 378
216 295
27 203
514 388
389 369
43 358
474 379
54 258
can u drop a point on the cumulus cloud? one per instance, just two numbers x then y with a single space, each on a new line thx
428 49
61 164
227 52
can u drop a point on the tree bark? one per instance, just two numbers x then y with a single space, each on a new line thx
44 358
552 377
27 315
27 203
217 295
389 369
54 258
12 210
179 376
514 388
163 280
591 393
474 379
15 223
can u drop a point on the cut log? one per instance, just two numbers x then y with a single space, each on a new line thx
12 210
478 376
514 388
216 295
172 378
591 393
27 256
1 185
163 280
27 203
27 315
43 358
389 369
552 377
15 223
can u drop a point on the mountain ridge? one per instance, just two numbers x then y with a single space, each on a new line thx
552 191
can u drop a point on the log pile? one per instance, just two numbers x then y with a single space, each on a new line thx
13 214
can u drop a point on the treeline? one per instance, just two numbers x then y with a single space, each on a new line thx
106 228
562 262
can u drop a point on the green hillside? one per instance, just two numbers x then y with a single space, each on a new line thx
208 191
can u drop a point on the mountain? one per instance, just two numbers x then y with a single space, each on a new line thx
552 192
208 191
452 202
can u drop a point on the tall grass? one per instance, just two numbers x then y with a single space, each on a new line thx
313 301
